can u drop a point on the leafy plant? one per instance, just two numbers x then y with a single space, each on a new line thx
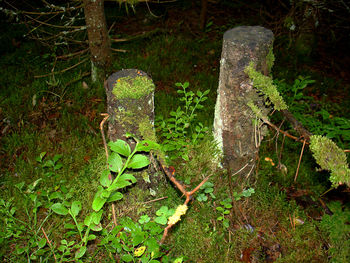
163 214
51 165
26 233
108 190
207 189
245 193
224 210
181 131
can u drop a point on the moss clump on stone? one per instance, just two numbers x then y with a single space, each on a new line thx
132 88
330 157
146 130
270 59
265 85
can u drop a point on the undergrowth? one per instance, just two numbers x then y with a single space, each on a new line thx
47 115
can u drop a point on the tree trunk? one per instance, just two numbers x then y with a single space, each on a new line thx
99 42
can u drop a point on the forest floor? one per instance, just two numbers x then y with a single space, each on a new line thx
284 220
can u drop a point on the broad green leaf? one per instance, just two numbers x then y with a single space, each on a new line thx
128 177
105 194
162 220
138 239
99 201
60 209
121 147
56 195
80 252
76 207
91 237
138 161
127 258
147 145
40 157
115 197
115 162
96 228
42 242
123 181
104 179
88 220
96 217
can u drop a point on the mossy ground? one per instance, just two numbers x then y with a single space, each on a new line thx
64 119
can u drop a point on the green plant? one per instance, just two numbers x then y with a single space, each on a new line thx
134 242
163 214
224 210
181 131
133 160
50 165
245 193
26 234
206 189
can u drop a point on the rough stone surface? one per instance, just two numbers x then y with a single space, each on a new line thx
132 115
234 128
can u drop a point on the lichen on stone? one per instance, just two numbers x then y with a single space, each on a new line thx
133 87
331 158
264 84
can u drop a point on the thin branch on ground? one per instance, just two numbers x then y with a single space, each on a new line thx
301 155
49 242
182 189
106 116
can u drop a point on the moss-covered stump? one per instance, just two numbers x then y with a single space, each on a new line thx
234 123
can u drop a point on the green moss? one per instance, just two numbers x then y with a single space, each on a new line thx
330 157
270 59
258 112
133 88
265 85
146 130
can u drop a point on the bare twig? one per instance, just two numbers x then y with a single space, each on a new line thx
106 151
62 71
155 200
183 190
49 242
106 116
301 155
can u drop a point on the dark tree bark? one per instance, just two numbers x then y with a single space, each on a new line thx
99 42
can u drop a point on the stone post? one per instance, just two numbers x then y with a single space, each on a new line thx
234 128
130 104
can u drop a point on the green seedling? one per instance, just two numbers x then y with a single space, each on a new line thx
224 210
206 189
181 131
163 214
245 193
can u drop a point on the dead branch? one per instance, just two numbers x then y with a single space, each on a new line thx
106 149
188 195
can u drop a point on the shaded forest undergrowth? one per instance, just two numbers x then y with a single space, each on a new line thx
52 152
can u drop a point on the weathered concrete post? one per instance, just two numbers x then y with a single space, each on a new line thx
130 104
234 129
